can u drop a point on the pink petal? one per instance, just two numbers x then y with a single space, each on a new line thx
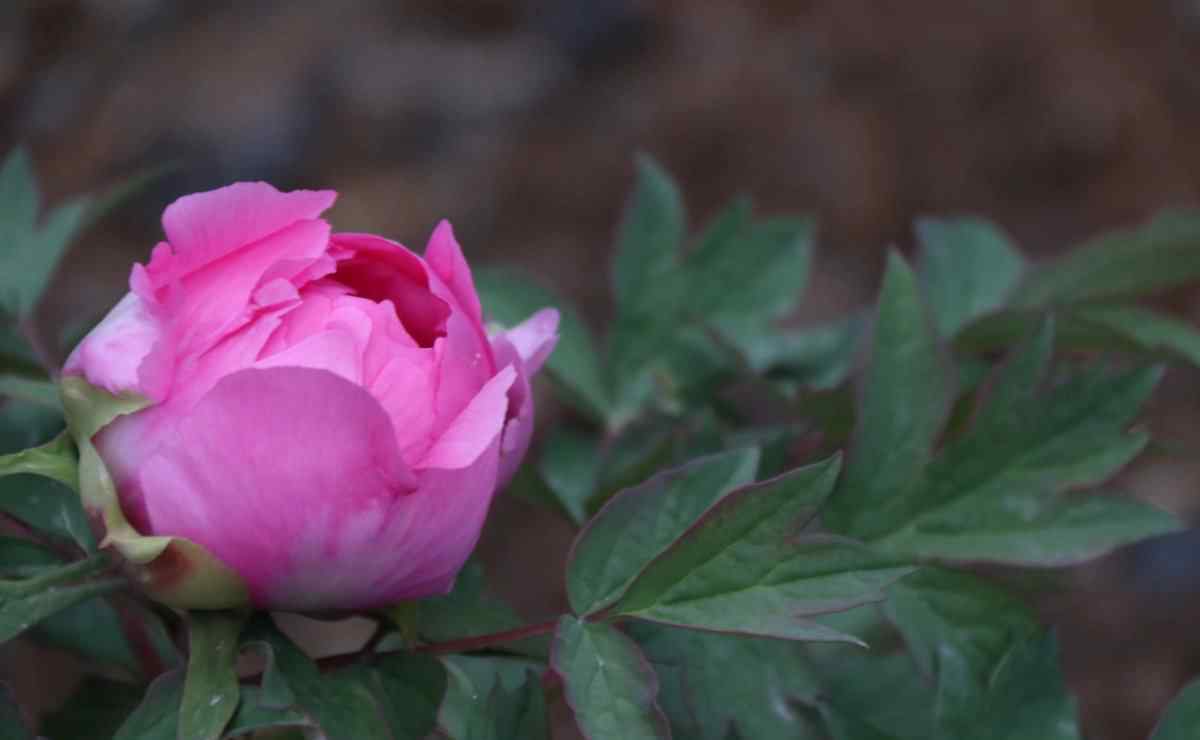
109 356
534 338
288 475
206 226
475 427
445 257
518 425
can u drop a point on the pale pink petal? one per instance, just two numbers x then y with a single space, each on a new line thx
335 350
518 424
405 389
206 226
109 356
534 338
445 257
288 476
475 427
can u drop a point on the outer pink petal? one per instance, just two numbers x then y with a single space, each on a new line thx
518 426
288 475
432 532
475 427
110 354
206 226
445 257
535 338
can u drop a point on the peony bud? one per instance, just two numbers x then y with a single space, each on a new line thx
295 419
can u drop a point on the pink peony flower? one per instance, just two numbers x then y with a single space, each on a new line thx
324 414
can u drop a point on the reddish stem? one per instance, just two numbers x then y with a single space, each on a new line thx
484 641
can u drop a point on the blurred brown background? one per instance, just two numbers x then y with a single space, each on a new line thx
518 120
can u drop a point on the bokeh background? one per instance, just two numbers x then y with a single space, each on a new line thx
519 120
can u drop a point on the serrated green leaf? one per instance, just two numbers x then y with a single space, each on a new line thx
714 684
1182 718
609 685
210 693
157 717
650 234
26 602
570 465
639 523
905 398
994 493
410 687
1158 255
969 268
743 568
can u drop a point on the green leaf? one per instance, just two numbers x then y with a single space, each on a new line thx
757 273
714 684
871 691
25 603
342 704
1182 717
1116 328
12 725
30 252
91 629
906 394
570 465
743 568
157 717
510 297
210 694
608 683
1025 697
21 557
993 494
274 692
255 713
410 687
95 709
969 268
819 357
650 235
467 611
641 522
23 388
1161 254
55 459
471 681
957 627
515 714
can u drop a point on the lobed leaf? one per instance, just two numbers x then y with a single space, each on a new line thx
744 568
210 692
641 522
608 684
969 268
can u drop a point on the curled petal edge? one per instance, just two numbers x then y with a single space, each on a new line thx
173 570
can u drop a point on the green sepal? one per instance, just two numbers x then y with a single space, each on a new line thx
173 570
